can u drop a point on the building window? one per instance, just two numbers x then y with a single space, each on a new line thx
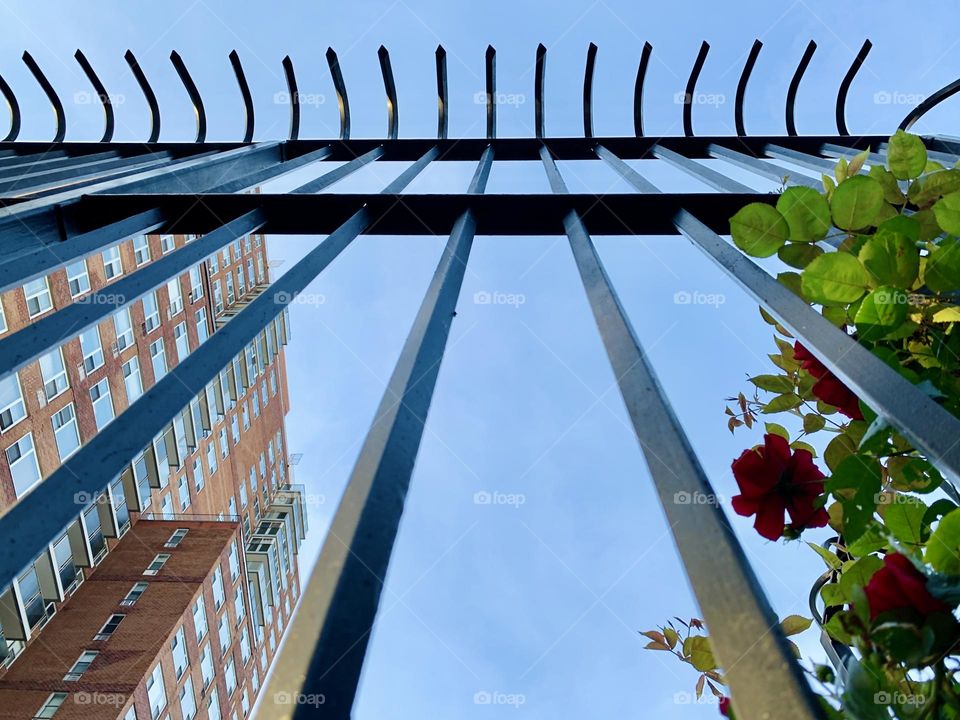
217 297
201 318
224 447
197 474
141 249
217 584
235 430
102 403
123 326
196 284
151 312
80 666
65 430
131 379
23 464
245 702
241 281
50 706
243 495
200 620
176 296
230 673
92 349
214 264
255 404
12 409
183 492
211 458
230 295
98 544
178 648
154 567
167 243
234 558
261 278
112 264
120 508
188 702
63 557
240 606
158 358
245 411
178 535
54 373
273 383
206 666
223 633
213 706
38 296
181 341
109 627
156 692
78 278
134 593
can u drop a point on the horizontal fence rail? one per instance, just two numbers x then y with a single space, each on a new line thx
66 201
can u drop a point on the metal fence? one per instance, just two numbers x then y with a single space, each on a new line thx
63 201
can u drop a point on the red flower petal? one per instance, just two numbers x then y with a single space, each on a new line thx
899 585
770 522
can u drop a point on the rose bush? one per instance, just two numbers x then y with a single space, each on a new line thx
877 254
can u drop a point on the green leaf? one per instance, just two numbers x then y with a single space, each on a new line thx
787 401
792 281
891 258
947 212
759 230
775 429
873 539
773 383
807 213
942 272
831 595
904 518
902 641
799 255
858 574
906 156
842 446
697 648
813 422
857 202
924 191
836 278
881 312
832 561
671 636
794 624
862 475
891 191
943 548
836 630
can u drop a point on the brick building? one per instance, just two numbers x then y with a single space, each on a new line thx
222 458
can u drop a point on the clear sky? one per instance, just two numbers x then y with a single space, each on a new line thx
540 597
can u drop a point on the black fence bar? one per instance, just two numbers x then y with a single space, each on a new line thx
626 172
930 428
763 168
704 174
328 179
764 678
43 161
24 183
802 158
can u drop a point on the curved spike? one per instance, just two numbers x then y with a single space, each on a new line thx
742 87
245 92
148 94
101 94
538 89
845 86
491 72
294 97
14 107
51 96
795 85
194 94
638 89
929 103
692 87
341 89
391 89
588 91
442 121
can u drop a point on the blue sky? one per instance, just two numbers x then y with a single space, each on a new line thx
538 597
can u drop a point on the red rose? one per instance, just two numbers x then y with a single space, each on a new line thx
898 585
773 481
828 387
725 706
